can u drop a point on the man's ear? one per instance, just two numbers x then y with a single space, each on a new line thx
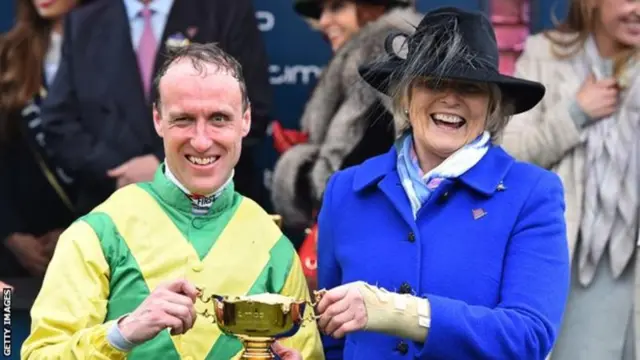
246 121
157 119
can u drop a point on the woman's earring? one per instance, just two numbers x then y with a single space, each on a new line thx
406 112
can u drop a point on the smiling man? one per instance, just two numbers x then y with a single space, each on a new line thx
129 270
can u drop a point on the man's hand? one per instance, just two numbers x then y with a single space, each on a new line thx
31 253
285 353
50 240
169 306
342 310
138 169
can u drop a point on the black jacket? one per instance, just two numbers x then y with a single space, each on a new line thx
29 202
96 116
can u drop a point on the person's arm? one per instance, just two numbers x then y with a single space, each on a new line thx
288 276
541 135
351 120
68 314
329 271
535 287
245 43
70 145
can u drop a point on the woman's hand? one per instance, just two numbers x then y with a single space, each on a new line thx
285 353
598 98
342 310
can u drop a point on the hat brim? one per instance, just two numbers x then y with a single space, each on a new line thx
312 8
308 8
523 94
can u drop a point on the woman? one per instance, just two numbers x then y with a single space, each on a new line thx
35 199
344 121
445 247
587 130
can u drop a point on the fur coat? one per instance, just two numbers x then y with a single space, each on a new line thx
335 118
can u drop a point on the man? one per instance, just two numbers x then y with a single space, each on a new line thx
97 117
126 272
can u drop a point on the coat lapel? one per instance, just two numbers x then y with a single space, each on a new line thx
111 51
188 20
380 172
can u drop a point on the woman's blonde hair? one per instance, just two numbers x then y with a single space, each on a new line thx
441 48
568 37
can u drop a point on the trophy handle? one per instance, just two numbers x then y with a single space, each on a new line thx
317 294
204 300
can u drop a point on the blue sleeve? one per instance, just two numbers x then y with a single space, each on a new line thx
535 287
329 274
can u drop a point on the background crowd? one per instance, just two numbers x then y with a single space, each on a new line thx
75 122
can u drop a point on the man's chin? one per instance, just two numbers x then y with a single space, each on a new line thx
204 188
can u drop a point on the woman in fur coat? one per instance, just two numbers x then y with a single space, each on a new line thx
345 121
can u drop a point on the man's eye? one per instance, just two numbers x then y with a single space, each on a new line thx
219 118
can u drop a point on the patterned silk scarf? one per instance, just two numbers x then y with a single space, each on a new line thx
417 185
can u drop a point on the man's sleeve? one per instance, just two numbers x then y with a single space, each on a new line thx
307 339
70 145
68 314
245 43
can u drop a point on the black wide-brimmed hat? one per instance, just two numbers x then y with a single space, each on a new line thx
428 50
313 8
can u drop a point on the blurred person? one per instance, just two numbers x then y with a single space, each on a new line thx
342 108
98 120
122 281
445 247
345 121
36 196
587 130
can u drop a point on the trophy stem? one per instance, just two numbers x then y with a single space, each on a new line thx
257 348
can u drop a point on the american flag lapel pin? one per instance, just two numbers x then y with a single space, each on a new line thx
478 213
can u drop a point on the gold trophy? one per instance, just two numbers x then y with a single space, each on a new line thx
257 320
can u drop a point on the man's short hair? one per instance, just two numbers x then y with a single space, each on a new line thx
201 55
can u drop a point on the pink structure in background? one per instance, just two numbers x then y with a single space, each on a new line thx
511 22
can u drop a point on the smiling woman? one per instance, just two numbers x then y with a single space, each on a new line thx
445 115
469 243
587 132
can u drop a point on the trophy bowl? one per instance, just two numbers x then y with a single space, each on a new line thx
258 320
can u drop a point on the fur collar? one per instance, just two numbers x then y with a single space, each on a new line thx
341 77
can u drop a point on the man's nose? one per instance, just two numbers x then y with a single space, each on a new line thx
201 142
